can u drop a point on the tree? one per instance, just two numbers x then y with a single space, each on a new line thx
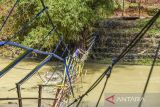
71 17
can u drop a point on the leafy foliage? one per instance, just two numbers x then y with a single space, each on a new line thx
70 17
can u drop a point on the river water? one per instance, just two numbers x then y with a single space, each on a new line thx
124 79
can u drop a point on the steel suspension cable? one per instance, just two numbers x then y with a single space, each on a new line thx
107 77
9 14
138 37
127 49
24 26
149 75
51 21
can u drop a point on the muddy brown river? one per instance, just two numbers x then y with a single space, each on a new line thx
124 79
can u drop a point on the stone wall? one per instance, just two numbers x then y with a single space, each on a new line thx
114 38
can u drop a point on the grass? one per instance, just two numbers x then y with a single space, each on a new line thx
145 61
153 32
129 28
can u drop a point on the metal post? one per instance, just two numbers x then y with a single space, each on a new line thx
123 8
19 95
40 96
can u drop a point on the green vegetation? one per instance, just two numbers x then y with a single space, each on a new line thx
140 61
74 19
154 31
71 17
128 28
